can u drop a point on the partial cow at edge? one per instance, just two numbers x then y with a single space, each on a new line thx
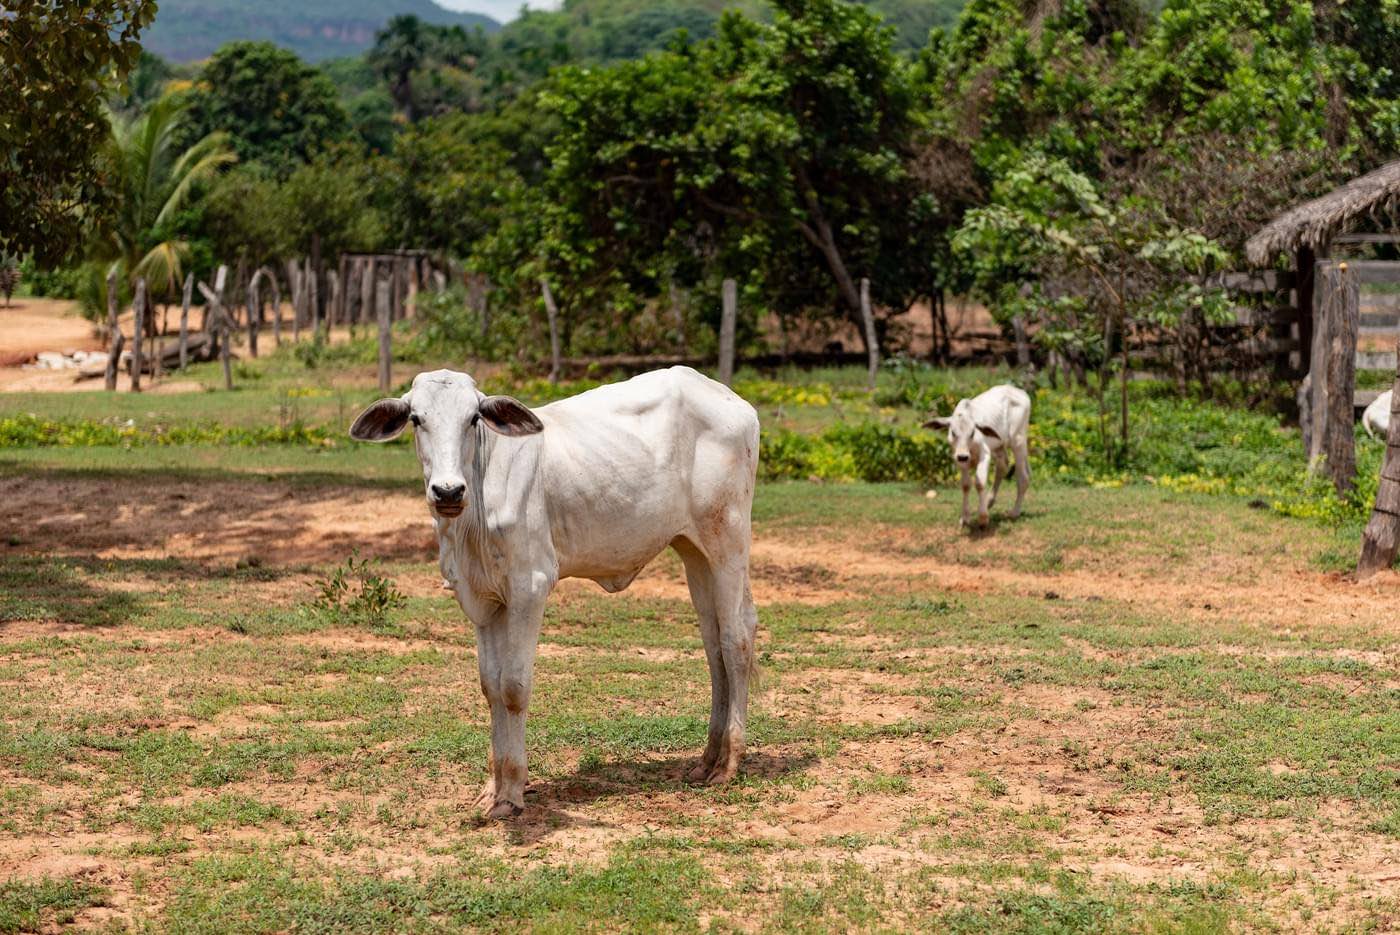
1376 419
984 432
594 486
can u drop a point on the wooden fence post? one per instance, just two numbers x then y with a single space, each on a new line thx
217 322
872 345
367 291
728 316
185 321
1023 346
276 306
1341 303
254 300
294 287
552 311
114 331
386 360
313 285
1381 539
138 308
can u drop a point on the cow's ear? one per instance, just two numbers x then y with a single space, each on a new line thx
988 431
382 421
938 422
509 416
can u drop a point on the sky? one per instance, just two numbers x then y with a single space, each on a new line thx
500 10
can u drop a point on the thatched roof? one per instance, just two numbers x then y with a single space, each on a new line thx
1314 223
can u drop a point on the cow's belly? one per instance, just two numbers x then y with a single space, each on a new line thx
615 557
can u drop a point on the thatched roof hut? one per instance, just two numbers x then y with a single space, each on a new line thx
1313 225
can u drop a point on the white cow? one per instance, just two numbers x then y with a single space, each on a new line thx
1376 419
594 486
981 431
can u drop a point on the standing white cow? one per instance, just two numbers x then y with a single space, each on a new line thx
1376 419
594 486
982 430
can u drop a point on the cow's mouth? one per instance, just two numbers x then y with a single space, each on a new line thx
448 510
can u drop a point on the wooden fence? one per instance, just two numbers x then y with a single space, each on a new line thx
361 289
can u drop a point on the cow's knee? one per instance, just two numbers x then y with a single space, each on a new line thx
515 693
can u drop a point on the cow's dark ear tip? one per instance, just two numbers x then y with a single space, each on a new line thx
509 416
937 422
382 421
989 432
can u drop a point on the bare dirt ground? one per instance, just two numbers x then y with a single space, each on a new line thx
286 525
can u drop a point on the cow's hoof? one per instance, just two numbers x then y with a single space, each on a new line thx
699 772
983 520
503 810
1015 514
720 775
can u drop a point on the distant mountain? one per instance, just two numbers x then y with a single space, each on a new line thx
187 30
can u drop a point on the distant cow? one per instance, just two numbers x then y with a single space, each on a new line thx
594 486
981 431
1376 419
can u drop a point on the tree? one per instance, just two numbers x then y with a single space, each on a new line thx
734 149
275 109
154 178
57 63
245 216
428 68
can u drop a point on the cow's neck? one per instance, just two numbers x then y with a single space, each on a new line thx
468 555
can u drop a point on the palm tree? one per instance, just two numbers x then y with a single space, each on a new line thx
154 181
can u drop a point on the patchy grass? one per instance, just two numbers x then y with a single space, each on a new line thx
1138 708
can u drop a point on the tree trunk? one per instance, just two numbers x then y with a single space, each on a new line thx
1381 539
1339 432
114 331
872 346
728 320
552 311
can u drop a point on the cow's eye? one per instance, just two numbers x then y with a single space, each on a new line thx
415 420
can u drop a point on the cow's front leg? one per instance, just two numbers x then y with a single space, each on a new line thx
506 657
982 506
966 487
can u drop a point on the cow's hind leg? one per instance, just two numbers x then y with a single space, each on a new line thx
1023 474
738 628
700 580
999 468
728 625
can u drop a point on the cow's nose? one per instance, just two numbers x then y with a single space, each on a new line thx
449 493
964 458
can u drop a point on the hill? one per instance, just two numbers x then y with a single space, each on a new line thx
187 30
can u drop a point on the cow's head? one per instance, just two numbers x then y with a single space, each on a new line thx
444 408
964 434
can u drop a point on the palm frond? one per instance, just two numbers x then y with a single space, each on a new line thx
163 266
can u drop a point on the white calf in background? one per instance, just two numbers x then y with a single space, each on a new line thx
1376 419
982 430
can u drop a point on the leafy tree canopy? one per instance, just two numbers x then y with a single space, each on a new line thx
57 63
277 110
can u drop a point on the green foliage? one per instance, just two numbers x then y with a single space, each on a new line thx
275 109
30 431
56 63
353 593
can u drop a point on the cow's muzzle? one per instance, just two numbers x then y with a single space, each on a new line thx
447 499
963 458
